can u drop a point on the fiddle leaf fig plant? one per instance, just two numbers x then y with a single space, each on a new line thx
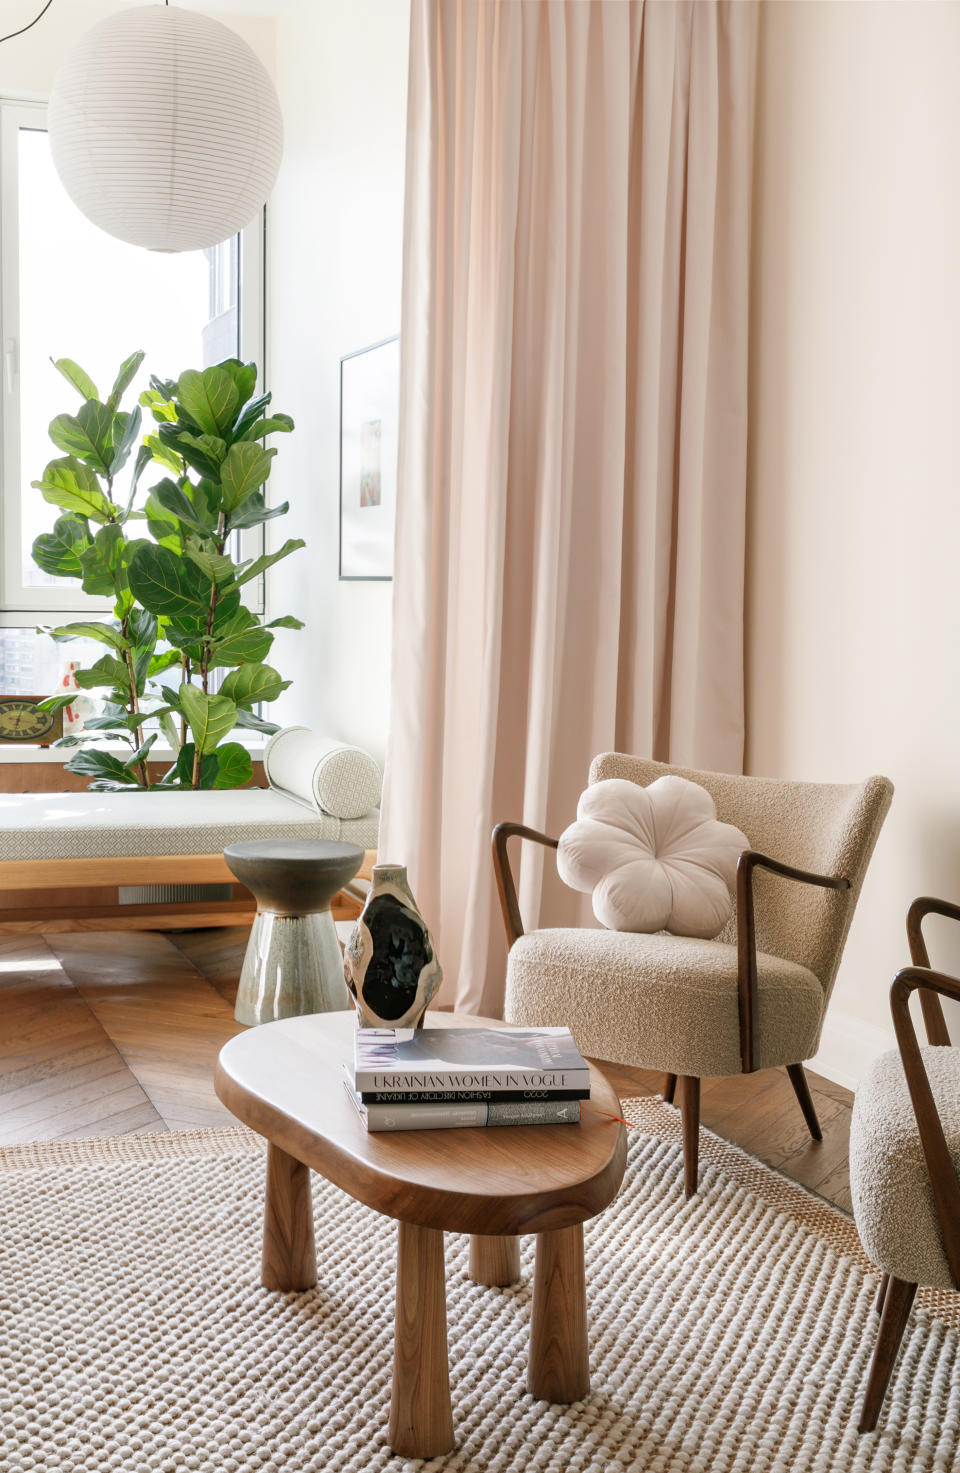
179 621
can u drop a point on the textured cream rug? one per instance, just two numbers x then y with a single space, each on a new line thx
728 1333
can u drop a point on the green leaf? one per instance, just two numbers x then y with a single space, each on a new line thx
251 684
128 371
240 640
164 455
169 728
142 628
244 376
256 723
196 451
57 703
210 398
144 458
219 569
93 763
141 753
277 424
58 552
87 434
260 565
286 621
209 717
235 767
255 510
245 468
175 501
209 767
159 663
105 672
249 414
102 633
102 562
167 584
75 376
126 431
72 486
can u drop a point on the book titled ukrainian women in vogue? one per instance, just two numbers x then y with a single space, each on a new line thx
532 1063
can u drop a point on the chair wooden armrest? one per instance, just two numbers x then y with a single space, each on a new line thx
940 1167
506 887
748 996
925 905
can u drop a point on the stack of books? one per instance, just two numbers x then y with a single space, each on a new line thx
447 1078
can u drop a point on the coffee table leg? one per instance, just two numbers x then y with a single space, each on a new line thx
421 1423
289 1256
494 1260
559 1369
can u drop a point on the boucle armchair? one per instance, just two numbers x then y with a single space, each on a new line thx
905 1157
753 998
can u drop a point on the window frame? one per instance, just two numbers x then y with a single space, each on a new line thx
21 606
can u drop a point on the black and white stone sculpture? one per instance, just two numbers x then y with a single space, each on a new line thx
390 963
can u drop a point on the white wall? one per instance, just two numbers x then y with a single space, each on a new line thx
335 230
854 541
29 63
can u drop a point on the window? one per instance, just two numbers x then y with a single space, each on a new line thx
69 290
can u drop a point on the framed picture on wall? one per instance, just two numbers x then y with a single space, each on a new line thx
369 420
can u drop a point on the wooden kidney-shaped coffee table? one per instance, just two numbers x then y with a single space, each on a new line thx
285 1080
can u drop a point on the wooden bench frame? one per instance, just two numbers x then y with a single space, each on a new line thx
149 869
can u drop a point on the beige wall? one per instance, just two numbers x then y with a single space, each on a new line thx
335 230
853 649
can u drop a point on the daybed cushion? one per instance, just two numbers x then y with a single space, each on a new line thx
115 825
335 778
892 1200
659 1002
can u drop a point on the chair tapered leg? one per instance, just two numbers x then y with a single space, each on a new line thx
690 1112
802 1091
881 1294
896 1311
669 1088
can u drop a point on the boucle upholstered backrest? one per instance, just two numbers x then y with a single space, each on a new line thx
828 828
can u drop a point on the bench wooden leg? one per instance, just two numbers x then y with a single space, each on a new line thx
289 1257
559 1367
421 1422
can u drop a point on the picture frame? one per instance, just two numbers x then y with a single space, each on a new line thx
369 431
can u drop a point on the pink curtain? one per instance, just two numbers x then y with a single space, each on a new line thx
571 520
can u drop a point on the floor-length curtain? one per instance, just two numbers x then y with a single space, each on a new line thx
571 518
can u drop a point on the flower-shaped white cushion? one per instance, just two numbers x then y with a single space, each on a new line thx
656 858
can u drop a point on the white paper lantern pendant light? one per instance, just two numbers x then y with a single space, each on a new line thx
165 128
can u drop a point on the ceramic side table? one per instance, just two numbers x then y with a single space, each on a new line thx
293 963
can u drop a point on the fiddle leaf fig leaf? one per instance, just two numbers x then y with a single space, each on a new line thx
167 584
210 397
75 376
277 424
126 374
126 430
260 565
244 376
208 717
102 633
255 510
58 552
250 684
245 468
73 486
86 434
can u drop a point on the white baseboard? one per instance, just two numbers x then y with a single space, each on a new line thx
847 1048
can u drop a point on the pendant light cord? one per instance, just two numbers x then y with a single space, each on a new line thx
32 23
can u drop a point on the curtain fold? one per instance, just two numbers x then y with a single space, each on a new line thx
571 507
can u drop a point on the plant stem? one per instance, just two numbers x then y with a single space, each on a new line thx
135 707
205 662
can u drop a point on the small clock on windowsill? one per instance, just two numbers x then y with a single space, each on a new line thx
23 723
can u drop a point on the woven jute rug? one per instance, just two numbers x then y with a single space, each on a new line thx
731 1332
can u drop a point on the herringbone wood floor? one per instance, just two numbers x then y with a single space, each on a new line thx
103 1034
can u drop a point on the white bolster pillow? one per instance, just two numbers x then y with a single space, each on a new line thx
342 781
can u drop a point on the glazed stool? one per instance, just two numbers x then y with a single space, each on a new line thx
293 963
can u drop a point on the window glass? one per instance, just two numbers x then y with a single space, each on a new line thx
86 296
